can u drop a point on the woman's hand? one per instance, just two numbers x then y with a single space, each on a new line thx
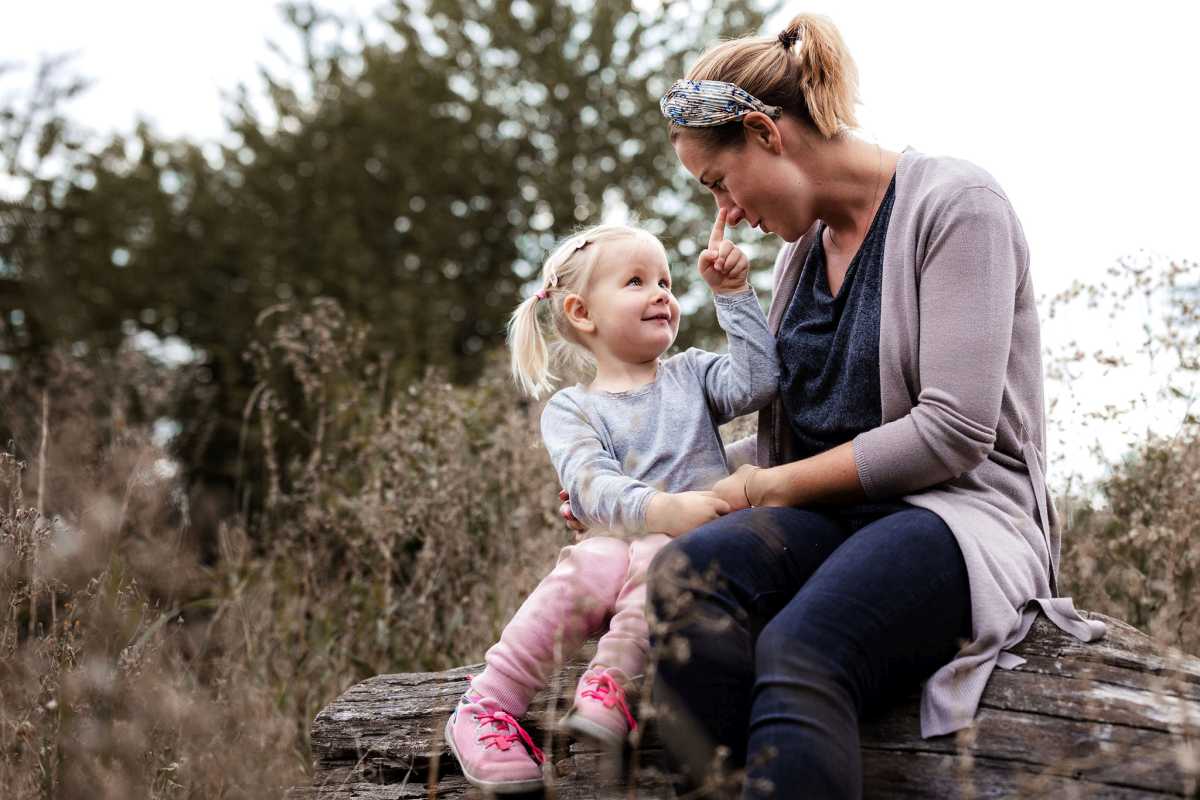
733 488
723 266
676 514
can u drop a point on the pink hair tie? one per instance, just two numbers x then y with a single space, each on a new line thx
541 295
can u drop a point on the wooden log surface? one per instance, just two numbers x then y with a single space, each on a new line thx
1118 718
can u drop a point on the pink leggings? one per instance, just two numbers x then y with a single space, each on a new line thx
599 577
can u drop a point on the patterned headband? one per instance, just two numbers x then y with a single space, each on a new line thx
703 104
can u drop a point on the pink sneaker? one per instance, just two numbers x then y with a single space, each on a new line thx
600 711
481 736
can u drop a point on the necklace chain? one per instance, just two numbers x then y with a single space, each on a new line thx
875 199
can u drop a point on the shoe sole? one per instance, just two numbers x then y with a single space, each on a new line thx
583 727
503 787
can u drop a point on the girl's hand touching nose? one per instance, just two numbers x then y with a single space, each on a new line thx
723 266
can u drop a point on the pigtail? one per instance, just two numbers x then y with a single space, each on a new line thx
529 352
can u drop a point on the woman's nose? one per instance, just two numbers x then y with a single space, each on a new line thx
733 212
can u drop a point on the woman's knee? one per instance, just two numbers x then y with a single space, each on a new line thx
682 559
665 571
724 539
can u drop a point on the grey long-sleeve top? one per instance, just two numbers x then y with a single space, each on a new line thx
614 450
962 432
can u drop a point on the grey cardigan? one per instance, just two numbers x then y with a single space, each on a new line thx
963 428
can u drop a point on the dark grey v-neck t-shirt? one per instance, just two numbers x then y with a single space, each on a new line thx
829 346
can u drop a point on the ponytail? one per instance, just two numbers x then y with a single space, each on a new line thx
806 70
828 76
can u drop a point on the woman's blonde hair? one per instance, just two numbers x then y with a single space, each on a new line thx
806 70
568 270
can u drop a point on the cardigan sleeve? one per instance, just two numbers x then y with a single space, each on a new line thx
974 257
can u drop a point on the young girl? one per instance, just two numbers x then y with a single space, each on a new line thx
636 450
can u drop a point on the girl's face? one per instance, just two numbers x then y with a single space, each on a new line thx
630 302
754 182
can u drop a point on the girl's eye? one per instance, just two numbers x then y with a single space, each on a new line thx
634 281
666 284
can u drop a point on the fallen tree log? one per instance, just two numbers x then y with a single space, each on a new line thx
1118 718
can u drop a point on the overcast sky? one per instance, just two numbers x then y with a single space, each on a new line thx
1086 112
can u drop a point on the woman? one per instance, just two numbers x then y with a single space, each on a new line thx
900 528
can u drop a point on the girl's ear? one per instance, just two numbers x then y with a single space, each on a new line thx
577 314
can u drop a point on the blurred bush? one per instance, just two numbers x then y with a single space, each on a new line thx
1133 552
418 180
1130 374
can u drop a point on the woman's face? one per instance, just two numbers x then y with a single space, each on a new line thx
754 182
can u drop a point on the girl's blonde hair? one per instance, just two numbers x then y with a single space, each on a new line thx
568 270
806 70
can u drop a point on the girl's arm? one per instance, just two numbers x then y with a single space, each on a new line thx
747 377
601 495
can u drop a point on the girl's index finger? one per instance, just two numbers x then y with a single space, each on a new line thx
718 232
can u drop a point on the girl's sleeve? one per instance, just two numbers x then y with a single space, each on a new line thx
602 496
743 451
746 378
975 256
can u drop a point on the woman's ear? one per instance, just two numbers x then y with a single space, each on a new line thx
577 314
762 131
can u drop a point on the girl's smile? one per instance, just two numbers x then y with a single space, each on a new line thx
630 302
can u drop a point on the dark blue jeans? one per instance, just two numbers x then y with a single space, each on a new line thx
807 620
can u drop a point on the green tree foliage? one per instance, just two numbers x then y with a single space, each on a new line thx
416 178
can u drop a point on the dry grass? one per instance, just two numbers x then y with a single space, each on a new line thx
399 539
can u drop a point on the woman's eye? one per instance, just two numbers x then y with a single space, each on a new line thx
718 186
